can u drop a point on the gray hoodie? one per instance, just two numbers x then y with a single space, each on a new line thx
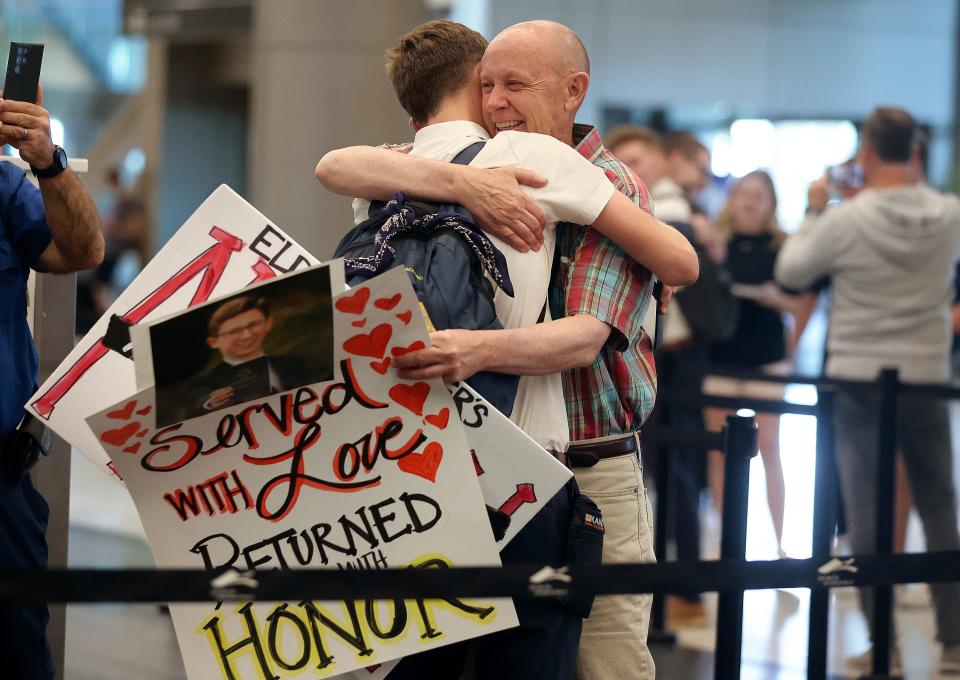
890 254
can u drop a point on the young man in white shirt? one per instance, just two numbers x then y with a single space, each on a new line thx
435 71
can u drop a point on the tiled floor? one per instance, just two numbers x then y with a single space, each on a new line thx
123 642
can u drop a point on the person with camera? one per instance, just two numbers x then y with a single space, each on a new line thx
55 229
890 252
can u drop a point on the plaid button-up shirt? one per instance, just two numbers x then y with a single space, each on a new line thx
615 394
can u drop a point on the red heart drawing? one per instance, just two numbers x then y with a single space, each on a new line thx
405 316
123 413
353 304
359 324
411 397
423 464
439 420
371 345
133 448
400 351
120 436
388 303
381 366
144 411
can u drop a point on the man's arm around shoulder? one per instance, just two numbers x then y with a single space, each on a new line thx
580 192
493 197
657 246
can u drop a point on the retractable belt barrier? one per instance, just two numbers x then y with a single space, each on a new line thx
878 571
520 581
729 576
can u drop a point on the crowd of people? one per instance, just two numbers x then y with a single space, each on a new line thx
579 324
885 244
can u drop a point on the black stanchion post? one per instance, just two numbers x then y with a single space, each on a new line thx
739 446
886 470
658 617
824 517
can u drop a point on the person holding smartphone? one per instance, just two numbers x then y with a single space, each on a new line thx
55 228
891 253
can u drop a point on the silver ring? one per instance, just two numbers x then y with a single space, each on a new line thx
24 135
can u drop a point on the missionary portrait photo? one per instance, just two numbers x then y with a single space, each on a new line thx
263 340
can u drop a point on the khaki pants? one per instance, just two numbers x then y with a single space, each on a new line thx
613 645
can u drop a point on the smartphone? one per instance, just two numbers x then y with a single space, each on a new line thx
845 176
23 72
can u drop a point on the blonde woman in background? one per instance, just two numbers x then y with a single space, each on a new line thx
762 341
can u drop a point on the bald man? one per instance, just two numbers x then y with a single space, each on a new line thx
534 77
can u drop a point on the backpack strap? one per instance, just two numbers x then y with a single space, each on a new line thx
466 156
555 311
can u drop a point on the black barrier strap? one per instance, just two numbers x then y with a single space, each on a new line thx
692 395
754 375
760 405
147 585
678 436
936 390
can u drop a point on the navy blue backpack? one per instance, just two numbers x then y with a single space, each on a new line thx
446 256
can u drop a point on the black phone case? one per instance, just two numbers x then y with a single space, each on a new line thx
23 72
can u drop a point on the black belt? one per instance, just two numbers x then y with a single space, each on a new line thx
589 453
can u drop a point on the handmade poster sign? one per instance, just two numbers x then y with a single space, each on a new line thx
361 472
269 337
517 477
225 245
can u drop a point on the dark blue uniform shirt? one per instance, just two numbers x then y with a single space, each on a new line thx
24 235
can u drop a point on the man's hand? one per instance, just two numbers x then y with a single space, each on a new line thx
818 195
70 211
666 294
219 398
453 356
501 207
26 127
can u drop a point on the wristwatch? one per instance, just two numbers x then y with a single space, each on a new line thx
58 165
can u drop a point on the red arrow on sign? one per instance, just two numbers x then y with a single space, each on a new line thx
523 494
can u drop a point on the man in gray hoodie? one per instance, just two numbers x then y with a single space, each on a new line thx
890 253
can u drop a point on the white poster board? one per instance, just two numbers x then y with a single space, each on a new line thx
225 245
517 476
360 472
